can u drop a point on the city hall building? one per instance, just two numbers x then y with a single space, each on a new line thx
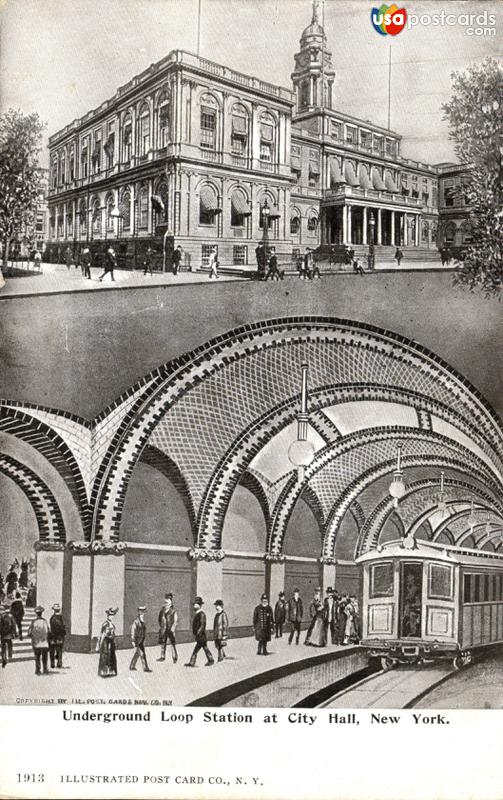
190 153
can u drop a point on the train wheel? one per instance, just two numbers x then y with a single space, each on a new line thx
387 663
457 661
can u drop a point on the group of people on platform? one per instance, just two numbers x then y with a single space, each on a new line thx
47 636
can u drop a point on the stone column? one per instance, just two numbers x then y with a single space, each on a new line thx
327 571
417 230
364 230
209 573
344 224
379 226
349 224
405 230
274 575
393 228
50 555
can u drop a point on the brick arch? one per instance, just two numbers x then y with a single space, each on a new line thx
431 447
250 481
411 366
44 504
166 466
48 443
461 530
454 488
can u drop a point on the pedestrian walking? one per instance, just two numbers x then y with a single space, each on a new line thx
279 615
37 260
330 615
110 264
199 631
17 611
39 634
176 259
85 262
263 621
57 633
168 620
295 614
273 271
138 635
68 257
105 646
7 633
147 263
11 581
261 256
220 629
213 263
358 267
398 255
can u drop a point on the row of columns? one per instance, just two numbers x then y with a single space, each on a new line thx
347 226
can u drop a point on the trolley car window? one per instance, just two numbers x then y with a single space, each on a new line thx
476 589
381 580
467 589
483 588
411 592
440 582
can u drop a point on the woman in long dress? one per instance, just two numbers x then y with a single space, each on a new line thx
316 634
350 634
107 664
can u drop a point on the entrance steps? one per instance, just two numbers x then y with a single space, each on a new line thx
21 648
335 255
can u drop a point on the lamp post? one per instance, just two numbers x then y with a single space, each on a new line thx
301 451
266 212
397 485
371 255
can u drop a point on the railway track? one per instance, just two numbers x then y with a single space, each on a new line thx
398 688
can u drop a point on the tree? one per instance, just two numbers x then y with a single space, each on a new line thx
475 116
20 145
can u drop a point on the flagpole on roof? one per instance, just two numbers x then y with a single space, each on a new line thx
199 27
389 90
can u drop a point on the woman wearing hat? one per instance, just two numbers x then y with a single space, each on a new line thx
316 634
107 664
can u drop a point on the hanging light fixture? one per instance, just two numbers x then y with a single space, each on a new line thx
441 502
301 451
397 486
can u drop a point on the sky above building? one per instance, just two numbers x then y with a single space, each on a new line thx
62 57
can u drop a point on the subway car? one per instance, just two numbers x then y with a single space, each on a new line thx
424 602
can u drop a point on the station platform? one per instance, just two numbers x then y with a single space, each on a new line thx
281 679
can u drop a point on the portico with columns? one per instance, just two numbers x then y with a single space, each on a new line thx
356 223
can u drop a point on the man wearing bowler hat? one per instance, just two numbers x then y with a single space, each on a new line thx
138 634
295 614
263 621
39 634
199 631
57 633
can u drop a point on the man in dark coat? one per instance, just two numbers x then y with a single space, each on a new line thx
330 615
199 631
263 621
220 629
138 634
280 615
57 633
11 581
147 263
261 256
273 272
295 614
398 255
17 611
110 264
85 262
7 633
176 259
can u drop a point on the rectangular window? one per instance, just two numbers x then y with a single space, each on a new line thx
449 193
381 580
336 130
238 145
467 589
144 134
440 584
350 135
366 140
476 589
240 254
265 151
127 142
208 128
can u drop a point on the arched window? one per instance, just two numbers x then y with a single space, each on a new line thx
72 165
60 221
273 213
467 232
96 217
84 158
63 168
208 205
295 223
304 94
125 209
143 208
110 208
208 118
240 130
267 137
163 121
52 223
69 222
450 233
144 130
160 203
312 221
127 138
240 209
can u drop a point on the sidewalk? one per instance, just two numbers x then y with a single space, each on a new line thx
176 684
57 278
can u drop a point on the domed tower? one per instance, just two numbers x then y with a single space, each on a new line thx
313 67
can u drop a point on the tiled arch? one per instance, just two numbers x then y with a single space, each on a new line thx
44 504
